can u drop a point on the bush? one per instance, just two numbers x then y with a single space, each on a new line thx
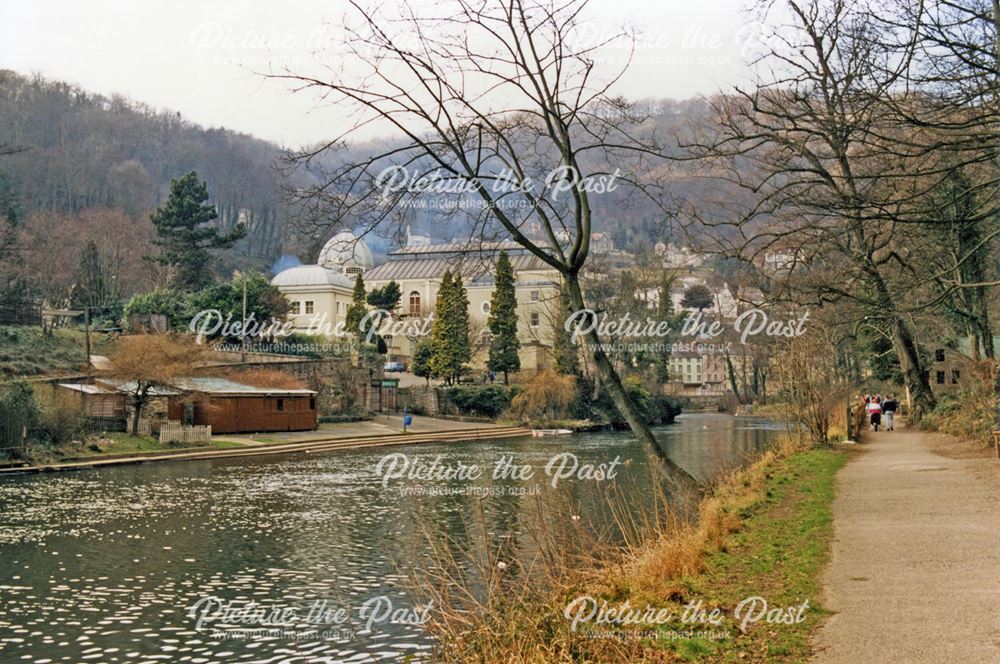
170 303
549 396
60 420
971 410
663 409
341 418
18 413
480 400
658 408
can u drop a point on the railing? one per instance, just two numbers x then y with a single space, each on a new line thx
855 420
175 432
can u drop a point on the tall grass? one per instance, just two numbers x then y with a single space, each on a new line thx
505 607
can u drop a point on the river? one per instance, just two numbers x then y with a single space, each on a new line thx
106 565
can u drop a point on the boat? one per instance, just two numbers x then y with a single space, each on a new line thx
541 433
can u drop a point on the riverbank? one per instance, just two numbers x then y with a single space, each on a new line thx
373 433
764 533
915 569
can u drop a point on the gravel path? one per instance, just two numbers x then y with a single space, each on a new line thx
915 572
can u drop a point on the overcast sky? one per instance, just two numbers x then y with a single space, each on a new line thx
199 57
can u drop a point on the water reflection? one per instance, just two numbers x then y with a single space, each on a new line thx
103 565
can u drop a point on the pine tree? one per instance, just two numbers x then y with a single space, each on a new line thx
387 297
450 347
502 321
184 233
357 311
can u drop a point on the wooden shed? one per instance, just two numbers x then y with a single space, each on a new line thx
96 401
231 407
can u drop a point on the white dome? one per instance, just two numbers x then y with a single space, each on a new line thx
343 251
310 275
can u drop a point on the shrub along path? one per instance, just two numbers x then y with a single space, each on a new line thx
915 568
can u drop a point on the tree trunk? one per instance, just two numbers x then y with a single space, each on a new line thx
984 328
913 374
731 372
675 475
136 409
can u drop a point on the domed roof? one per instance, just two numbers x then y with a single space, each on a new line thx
345 250
310 275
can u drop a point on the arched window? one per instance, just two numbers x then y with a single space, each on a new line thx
414 303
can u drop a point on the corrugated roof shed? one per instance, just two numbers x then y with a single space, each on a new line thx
224 386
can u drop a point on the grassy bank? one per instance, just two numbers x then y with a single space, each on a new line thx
765 532
778 553
29 351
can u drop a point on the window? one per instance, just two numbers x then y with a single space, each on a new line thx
353 270
955 375
312 403
939 355
940 378
535 296
340 308
281 404
414 303
310 306
296 307
486 307
534 319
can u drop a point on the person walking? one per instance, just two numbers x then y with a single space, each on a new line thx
889 407
874 413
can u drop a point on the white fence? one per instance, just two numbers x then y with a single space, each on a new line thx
175 432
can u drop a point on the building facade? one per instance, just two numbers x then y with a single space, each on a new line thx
320 294
418 271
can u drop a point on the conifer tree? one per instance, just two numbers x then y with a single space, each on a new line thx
502 321
450 348
184 233
387 297
357 311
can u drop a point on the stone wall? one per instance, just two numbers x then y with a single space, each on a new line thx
419 398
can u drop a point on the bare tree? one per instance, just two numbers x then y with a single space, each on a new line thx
503 103
144 363
954 71
833 175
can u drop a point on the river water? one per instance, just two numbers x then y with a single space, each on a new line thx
106 565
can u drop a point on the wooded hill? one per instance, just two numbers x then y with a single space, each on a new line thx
86 151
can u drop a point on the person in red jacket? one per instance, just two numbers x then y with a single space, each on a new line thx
874 409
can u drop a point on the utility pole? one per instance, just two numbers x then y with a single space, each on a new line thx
243 327
86 327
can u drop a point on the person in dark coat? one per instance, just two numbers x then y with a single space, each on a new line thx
889 408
